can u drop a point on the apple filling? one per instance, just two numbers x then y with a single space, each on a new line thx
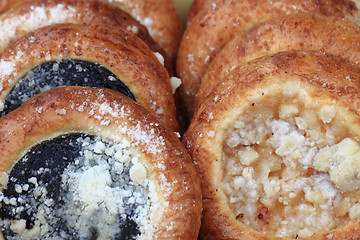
291 168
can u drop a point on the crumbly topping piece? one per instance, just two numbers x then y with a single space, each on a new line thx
291 169
175 83
342 163
99 196
159 57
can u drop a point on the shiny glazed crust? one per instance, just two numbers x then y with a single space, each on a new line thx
304 31
218 23
34 14
323 79
82 111
119 51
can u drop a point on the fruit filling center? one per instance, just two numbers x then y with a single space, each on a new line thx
291 168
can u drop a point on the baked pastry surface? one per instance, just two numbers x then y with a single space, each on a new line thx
120 52
33 14
196 7
218 23
304 31
7 4
110 135
159 17
276 145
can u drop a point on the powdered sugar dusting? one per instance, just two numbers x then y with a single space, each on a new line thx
148 22
105 112
143 137
13 26
35 18
92 206
6 68
134 9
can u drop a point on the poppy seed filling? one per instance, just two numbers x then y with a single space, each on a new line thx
62 73
76 186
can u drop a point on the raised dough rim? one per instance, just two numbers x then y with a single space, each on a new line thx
162 149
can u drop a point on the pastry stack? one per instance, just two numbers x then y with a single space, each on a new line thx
89 136
272 92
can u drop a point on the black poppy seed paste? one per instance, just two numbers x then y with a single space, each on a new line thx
74 186
62 73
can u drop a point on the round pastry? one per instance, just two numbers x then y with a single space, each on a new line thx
218 23
304 31
90 163
69 54
33 14
277 147
159 17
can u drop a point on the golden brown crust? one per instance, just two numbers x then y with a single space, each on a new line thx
161 19
8 4
33 14
196 7
213 27
324 78
119 51
304 31
166 158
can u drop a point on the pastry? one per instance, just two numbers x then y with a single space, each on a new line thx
218 23
34 14
159 16
304 31
113 54
277 145
90 163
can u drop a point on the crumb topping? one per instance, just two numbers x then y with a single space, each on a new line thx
134 29
103 193
290 168
159 57
175 83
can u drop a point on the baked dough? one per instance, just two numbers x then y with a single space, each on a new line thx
123 132
304 31
121 52
34 14
277 146
218 23
159 17
7 4
196 7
